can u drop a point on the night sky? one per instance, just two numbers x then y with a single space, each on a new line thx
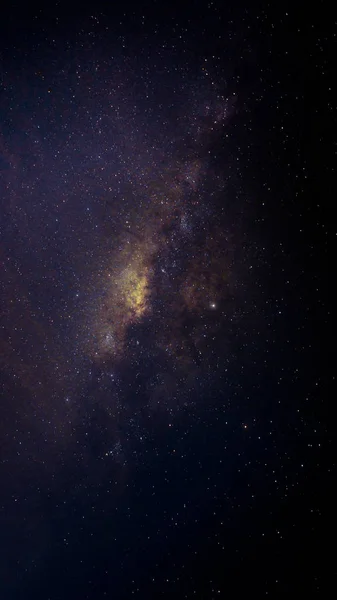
165 179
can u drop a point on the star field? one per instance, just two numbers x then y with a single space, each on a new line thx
164 432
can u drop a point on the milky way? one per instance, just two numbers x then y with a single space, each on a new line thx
120 273
164 392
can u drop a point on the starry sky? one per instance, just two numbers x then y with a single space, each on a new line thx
165 175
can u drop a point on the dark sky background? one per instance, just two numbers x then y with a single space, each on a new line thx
166 177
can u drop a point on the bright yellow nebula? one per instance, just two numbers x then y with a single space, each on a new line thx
134 287
126 300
